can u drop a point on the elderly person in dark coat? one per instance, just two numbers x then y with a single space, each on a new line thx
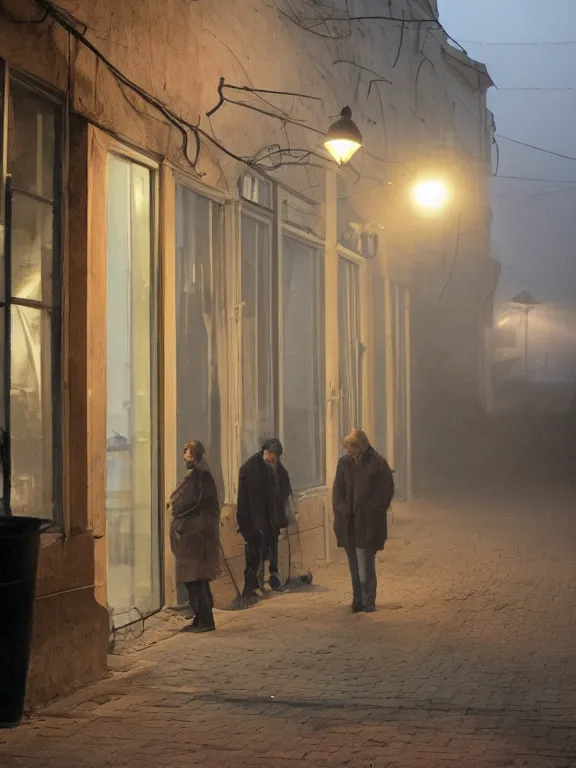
263 492
362 493
195 536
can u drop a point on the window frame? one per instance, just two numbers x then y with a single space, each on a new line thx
280 227
216 209
318 246
268 217
128 154
358 261
55 307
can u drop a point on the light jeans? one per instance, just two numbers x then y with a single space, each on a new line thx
362 564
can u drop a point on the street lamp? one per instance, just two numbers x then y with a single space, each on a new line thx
343 139
431 195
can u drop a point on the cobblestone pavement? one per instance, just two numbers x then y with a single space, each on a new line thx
469 661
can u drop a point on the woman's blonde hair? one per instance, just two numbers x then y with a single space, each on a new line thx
358 437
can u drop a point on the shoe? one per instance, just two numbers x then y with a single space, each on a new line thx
195 621
357 608
275 582
370 609
202 628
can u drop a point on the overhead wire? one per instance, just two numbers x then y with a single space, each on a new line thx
536 147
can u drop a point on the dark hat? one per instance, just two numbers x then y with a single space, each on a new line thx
274 446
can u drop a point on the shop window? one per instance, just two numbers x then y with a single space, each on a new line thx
303 362
199 234
132 463
259 334
30 303
350 345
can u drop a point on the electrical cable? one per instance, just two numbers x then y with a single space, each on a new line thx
520 44
529 178
536 147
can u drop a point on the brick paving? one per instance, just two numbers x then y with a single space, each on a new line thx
469 661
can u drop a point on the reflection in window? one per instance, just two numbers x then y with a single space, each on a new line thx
258 336
380 344
131 508
34 302
199 228
350 345
303 364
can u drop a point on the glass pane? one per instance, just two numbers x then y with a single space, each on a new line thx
350 346
303 368
400 405
194 319
380 343
31 412
31 142
132 514
258 336
32 257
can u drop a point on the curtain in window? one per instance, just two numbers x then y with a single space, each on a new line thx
303 363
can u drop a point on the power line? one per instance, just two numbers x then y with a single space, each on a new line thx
521 44
549 88
529 178
535 147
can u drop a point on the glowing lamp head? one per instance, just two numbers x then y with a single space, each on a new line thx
343 139
432 195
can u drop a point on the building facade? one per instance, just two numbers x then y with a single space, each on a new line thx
184 260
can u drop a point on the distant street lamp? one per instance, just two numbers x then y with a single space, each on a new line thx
431 195
343 139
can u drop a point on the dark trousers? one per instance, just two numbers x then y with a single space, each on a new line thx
259 549
362 564
201 602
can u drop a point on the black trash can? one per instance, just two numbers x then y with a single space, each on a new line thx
19 545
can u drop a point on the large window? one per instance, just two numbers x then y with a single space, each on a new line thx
259 335
379 356
351 348
30 309
131 492
303 362
199 231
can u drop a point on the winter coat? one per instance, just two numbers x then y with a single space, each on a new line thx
262 496
195 528
362 493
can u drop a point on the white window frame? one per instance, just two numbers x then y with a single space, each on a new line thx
363 288
279 228
319 245
267 217
128 153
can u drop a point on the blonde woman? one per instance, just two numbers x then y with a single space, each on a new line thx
362 493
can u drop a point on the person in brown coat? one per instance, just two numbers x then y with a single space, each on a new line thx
362 493
195 536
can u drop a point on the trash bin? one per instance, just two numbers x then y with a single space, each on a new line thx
19 545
